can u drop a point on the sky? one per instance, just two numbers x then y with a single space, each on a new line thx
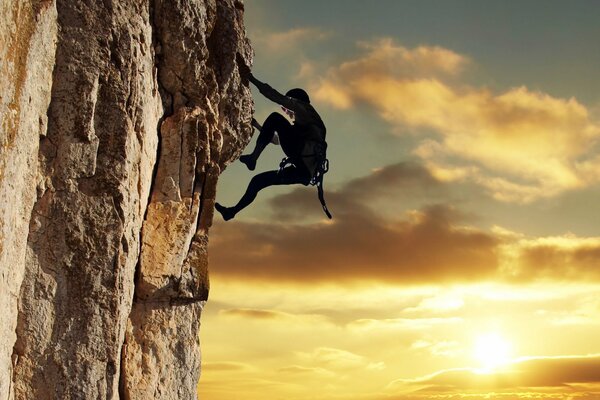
463 259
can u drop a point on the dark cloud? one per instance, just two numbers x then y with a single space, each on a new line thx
254 313
542 372
366 241
358 196
406 175
359 244
578 261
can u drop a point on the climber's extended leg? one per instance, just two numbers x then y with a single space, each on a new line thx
274 123
287 176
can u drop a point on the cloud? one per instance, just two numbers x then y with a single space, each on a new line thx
301 370
566 257
443 348
520 144
225 366
438 304
586 312
290 40
336 359
287 54
254 314
364 242
537 372
402 323
385 58
400 181
427 245
273 315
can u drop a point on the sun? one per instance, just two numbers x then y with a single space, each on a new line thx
492 351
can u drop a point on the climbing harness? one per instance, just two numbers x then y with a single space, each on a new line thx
320 170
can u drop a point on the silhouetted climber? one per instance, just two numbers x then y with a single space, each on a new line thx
303 142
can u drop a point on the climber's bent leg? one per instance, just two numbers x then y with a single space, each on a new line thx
289 175
274 123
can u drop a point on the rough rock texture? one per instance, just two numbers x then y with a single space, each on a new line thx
117 118
27 44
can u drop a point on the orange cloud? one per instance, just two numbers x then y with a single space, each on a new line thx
290 40
429 245
385 58
225 366
253 313
520 144
426 248
565 257
526 375
397 324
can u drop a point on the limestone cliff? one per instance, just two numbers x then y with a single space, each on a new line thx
117 117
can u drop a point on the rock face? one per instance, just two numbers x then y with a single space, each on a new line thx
117 118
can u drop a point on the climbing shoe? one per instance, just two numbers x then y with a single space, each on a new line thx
227 212
249 161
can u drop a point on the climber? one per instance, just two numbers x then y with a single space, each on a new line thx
303 142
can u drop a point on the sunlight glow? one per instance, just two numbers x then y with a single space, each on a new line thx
492 351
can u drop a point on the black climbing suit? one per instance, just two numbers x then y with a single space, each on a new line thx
298 141
292 144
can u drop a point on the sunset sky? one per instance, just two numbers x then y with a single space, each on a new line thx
463 259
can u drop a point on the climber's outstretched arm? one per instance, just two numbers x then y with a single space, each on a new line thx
273 95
